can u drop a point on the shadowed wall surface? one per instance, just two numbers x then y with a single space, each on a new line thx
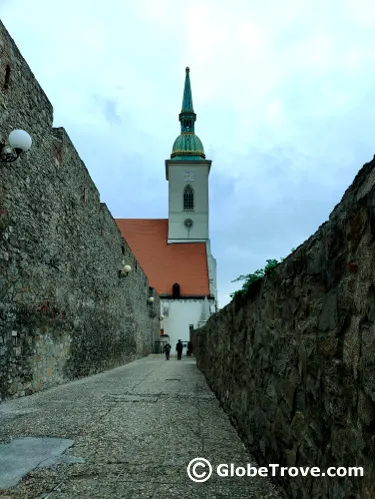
64 310
293 362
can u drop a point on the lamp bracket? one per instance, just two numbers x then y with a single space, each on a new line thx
8 157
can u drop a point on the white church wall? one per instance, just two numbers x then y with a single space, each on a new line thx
181 313
212 274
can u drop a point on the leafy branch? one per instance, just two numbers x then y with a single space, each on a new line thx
250 279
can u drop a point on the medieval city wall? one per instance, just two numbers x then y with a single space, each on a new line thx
64 310
293 363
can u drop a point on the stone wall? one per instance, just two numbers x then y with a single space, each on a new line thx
64 310
293 363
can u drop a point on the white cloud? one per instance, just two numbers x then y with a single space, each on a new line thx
283 93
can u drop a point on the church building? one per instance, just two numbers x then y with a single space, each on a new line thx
175 253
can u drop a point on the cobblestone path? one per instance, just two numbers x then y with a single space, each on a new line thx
136 427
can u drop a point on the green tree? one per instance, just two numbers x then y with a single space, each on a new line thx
251 278
256 276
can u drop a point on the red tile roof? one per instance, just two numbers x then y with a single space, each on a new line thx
166 264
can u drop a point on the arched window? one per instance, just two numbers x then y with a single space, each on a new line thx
176 290
188 198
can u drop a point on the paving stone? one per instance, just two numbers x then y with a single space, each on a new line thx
22 455
135 430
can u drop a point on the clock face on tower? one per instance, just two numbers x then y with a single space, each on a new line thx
189 177
188 223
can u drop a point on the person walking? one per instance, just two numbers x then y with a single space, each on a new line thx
179 348
167 349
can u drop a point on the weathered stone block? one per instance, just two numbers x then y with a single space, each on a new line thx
311 353
64 312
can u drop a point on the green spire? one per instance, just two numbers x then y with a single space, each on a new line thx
187 146
187 116
187 100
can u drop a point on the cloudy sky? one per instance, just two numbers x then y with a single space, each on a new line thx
284 93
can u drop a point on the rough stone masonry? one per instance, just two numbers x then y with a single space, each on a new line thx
294 362
64 310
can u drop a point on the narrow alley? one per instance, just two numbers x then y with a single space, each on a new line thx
131 433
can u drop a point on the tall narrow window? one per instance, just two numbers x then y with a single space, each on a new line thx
7 77
188 198
176 290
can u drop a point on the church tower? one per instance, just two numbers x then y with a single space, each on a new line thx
175 253
187 173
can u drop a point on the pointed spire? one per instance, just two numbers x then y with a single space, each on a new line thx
187 145
187 100
187 116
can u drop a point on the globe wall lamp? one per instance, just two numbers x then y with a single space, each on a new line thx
151 300
161 317
125 271
19 141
